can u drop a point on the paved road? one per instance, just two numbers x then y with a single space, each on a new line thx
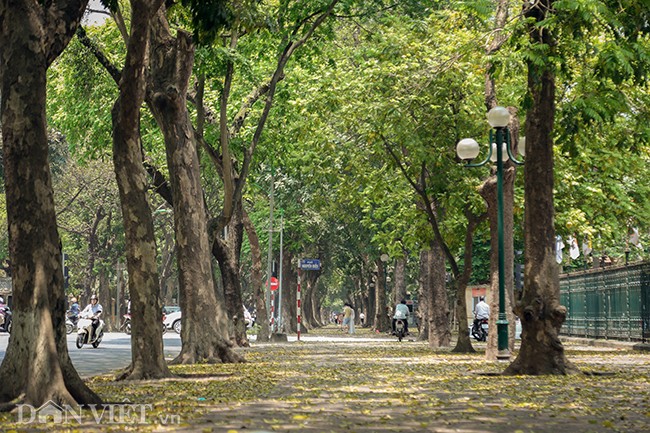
112 354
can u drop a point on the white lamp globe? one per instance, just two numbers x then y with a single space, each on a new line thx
504 152
522 146
467 148
498 117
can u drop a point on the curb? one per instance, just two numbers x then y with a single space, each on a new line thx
598 342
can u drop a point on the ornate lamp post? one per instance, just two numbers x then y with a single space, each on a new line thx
467 149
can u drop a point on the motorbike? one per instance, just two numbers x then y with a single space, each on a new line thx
85 329
126 325
5 318
400 329
71 324
480 329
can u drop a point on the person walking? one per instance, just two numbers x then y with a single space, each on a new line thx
348 317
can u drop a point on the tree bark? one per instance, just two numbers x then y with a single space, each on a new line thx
227 250
171 68
399 288
439 332
289 296
425 294
256 279
382 322
147 357
539 309
464 344
36 367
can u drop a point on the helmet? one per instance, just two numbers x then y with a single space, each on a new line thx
73 299
93 297
482 298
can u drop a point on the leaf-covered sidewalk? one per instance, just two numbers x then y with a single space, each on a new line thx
379 386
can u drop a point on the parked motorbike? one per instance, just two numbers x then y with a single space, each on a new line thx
5 318
71 324
480 329
86 335
126 324
400 329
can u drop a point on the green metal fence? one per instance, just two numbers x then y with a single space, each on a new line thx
610 302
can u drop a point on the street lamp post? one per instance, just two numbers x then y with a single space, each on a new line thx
467 150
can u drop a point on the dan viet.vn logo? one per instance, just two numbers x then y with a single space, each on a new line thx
125 413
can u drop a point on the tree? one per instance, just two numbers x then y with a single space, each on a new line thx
539 308
37 367
147 357
204 324
554 30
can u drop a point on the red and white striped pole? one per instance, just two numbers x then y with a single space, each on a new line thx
272 324
298 304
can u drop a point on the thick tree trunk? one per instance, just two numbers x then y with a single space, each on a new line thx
171 68
382 321
147 357
372 301
489 193
464 344
36 367
399 289
539 308
227 252
308 286
439 331
256 279
424 294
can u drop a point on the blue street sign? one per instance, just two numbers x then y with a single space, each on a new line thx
310 264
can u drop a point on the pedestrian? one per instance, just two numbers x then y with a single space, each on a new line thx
348 314
352 317
362 318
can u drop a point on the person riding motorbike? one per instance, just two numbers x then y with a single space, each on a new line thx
481 311
93 311
401 313
73 312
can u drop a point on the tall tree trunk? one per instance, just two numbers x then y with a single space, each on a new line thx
289 298
399 276
93 251
256 278
167 276
227 252
425 295
147 357
464 344
489 193
382 322
539 308
439 331
171 68
308 286
315 305
36 367
364 304
372 294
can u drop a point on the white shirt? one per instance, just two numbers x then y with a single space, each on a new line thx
482 310
91 310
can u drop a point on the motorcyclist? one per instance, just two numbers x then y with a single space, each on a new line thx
93 311
401 313
73 312
481 311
